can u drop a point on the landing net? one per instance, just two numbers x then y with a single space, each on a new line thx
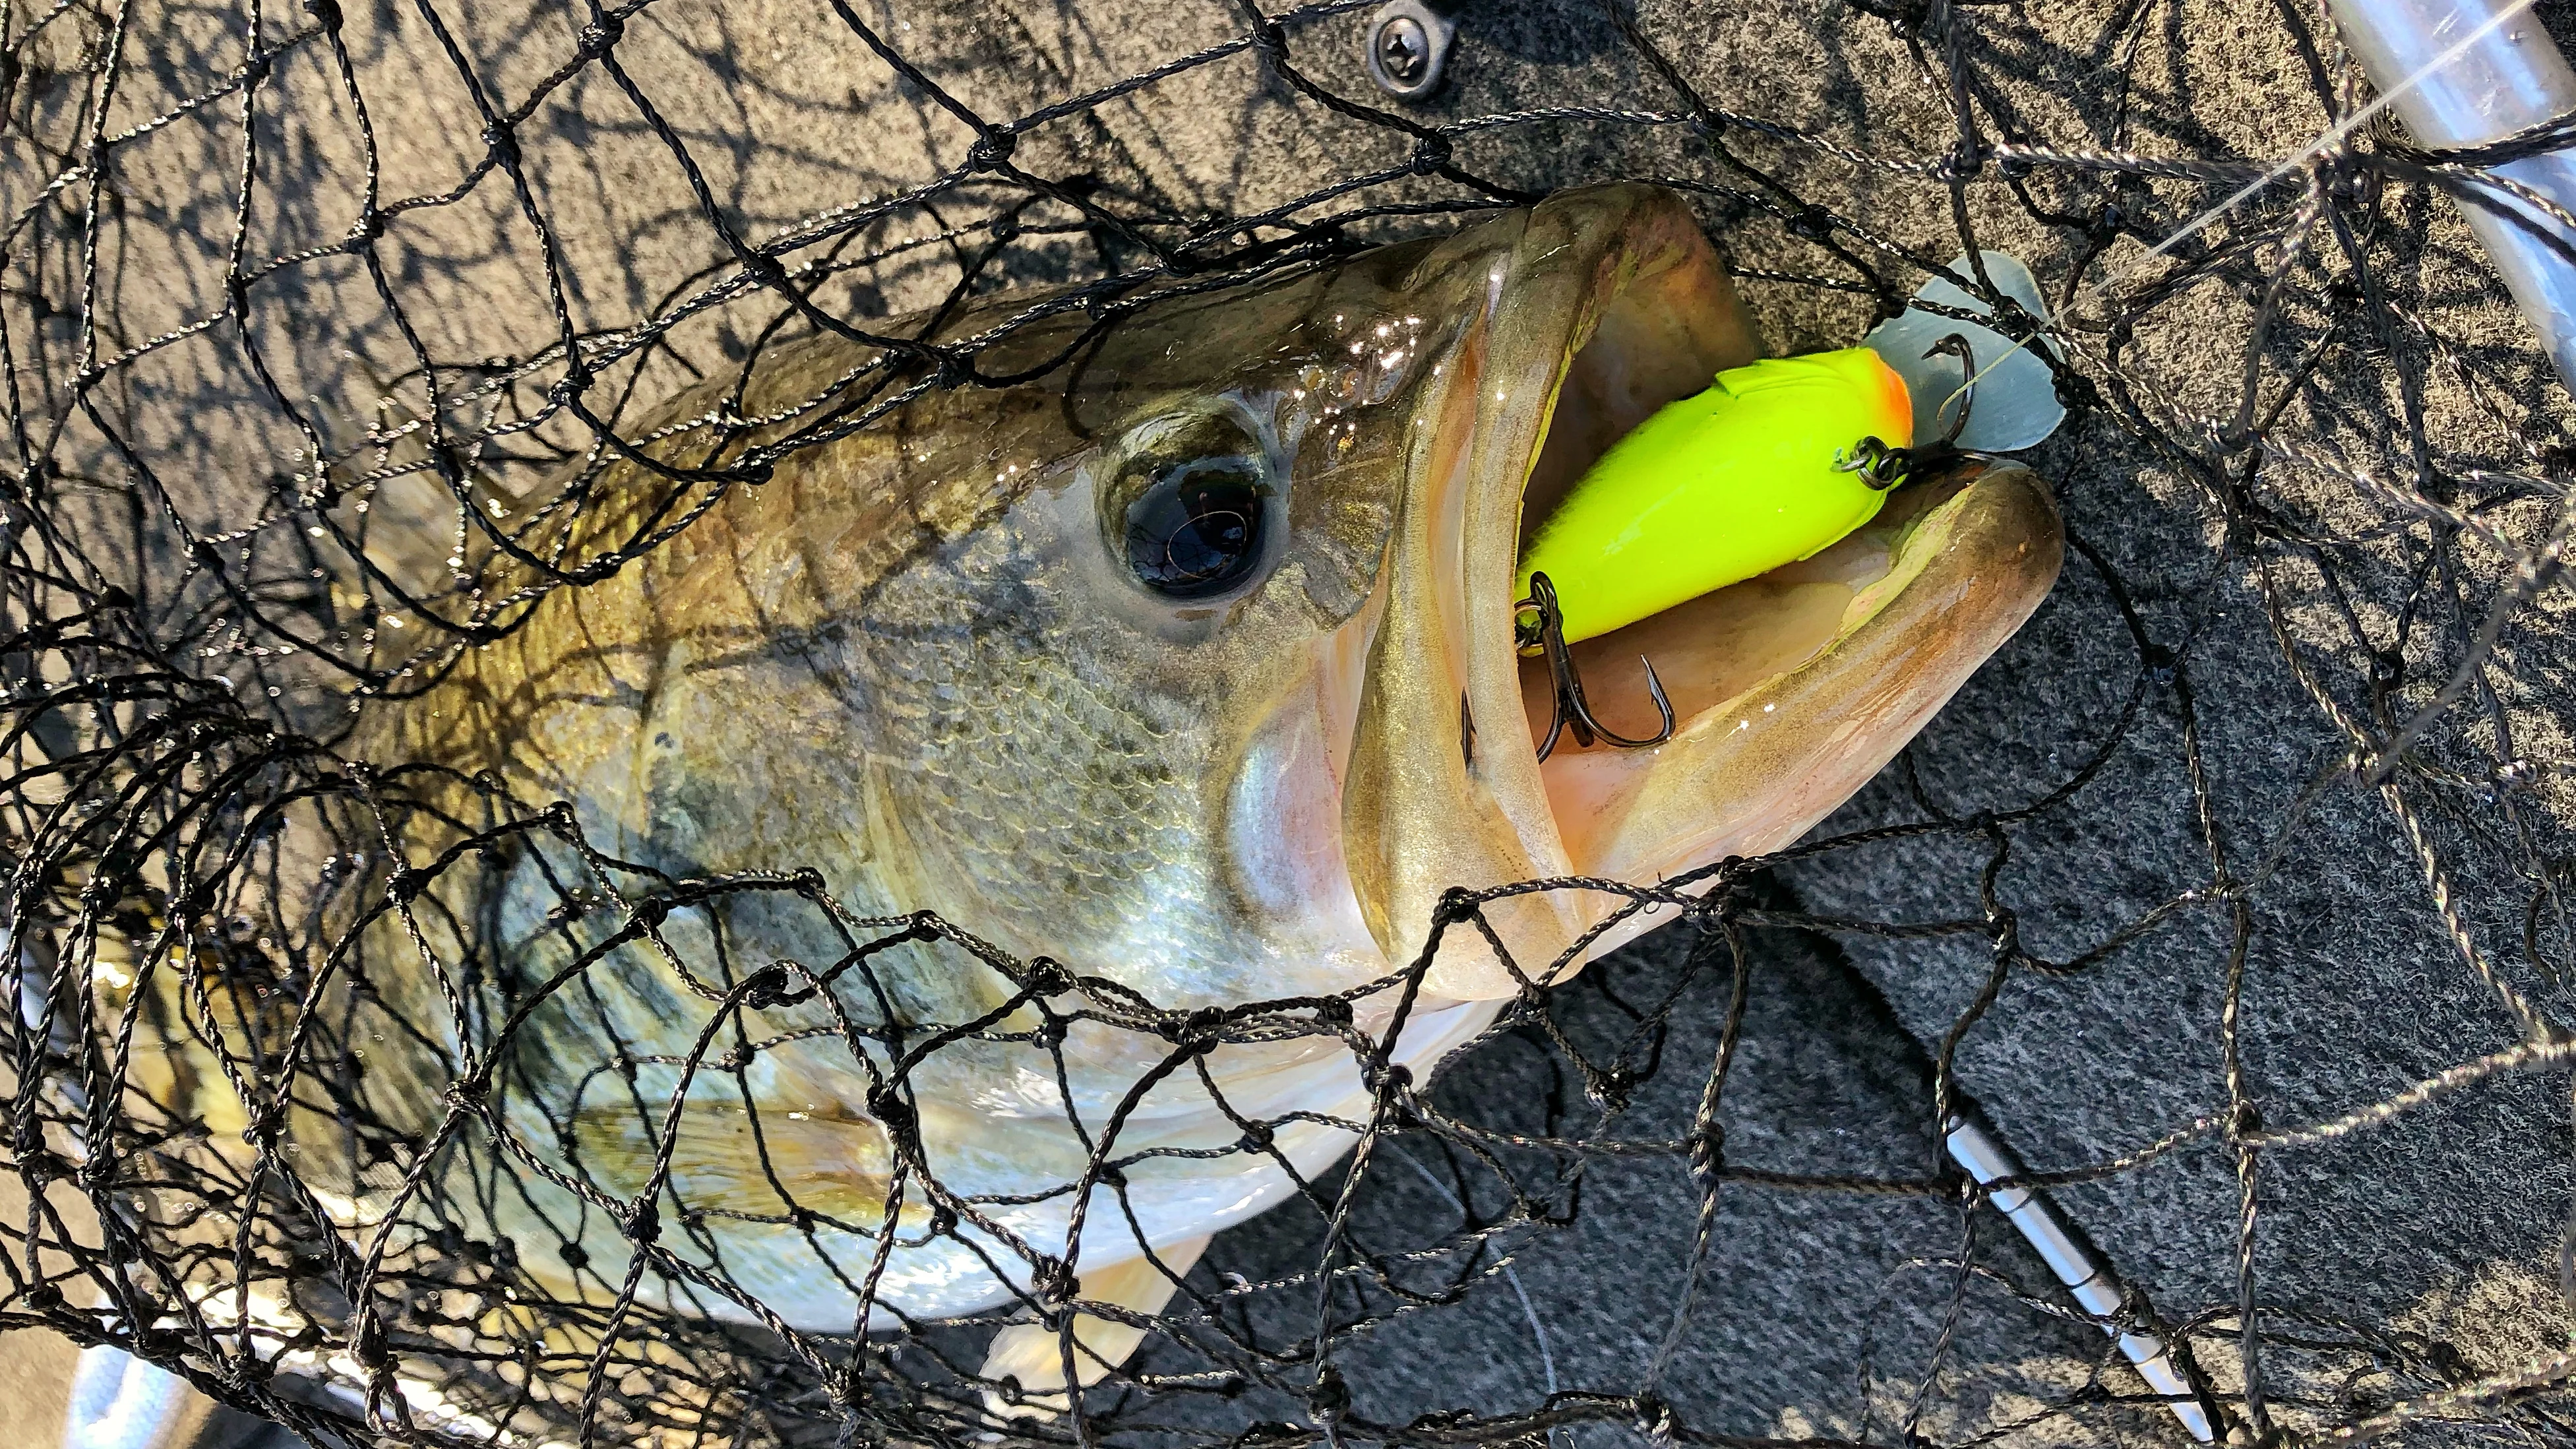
2234 890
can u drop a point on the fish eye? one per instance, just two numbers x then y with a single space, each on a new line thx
1191 505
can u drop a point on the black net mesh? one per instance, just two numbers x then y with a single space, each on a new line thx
286 292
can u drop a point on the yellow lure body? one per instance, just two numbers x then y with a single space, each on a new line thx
1719 487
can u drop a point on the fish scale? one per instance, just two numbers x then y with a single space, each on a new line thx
1060 800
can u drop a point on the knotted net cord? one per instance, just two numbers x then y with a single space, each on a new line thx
265 269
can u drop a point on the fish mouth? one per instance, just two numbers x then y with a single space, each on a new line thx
1789 690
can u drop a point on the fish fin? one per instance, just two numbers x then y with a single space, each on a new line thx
760 1158
1033 1354
120 1402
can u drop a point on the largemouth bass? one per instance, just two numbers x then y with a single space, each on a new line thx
1182 667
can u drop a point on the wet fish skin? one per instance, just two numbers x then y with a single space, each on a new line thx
914 662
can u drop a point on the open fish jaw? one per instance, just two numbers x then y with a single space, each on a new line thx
1792 688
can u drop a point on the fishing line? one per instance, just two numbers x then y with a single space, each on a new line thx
2325 141
1511 1275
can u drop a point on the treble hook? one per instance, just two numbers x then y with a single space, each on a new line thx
1547 632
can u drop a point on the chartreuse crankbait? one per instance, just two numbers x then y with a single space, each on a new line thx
1714 489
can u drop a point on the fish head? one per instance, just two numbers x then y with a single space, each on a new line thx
1467 384
1180 647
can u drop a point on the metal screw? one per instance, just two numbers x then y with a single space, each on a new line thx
1407 48
1403 51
